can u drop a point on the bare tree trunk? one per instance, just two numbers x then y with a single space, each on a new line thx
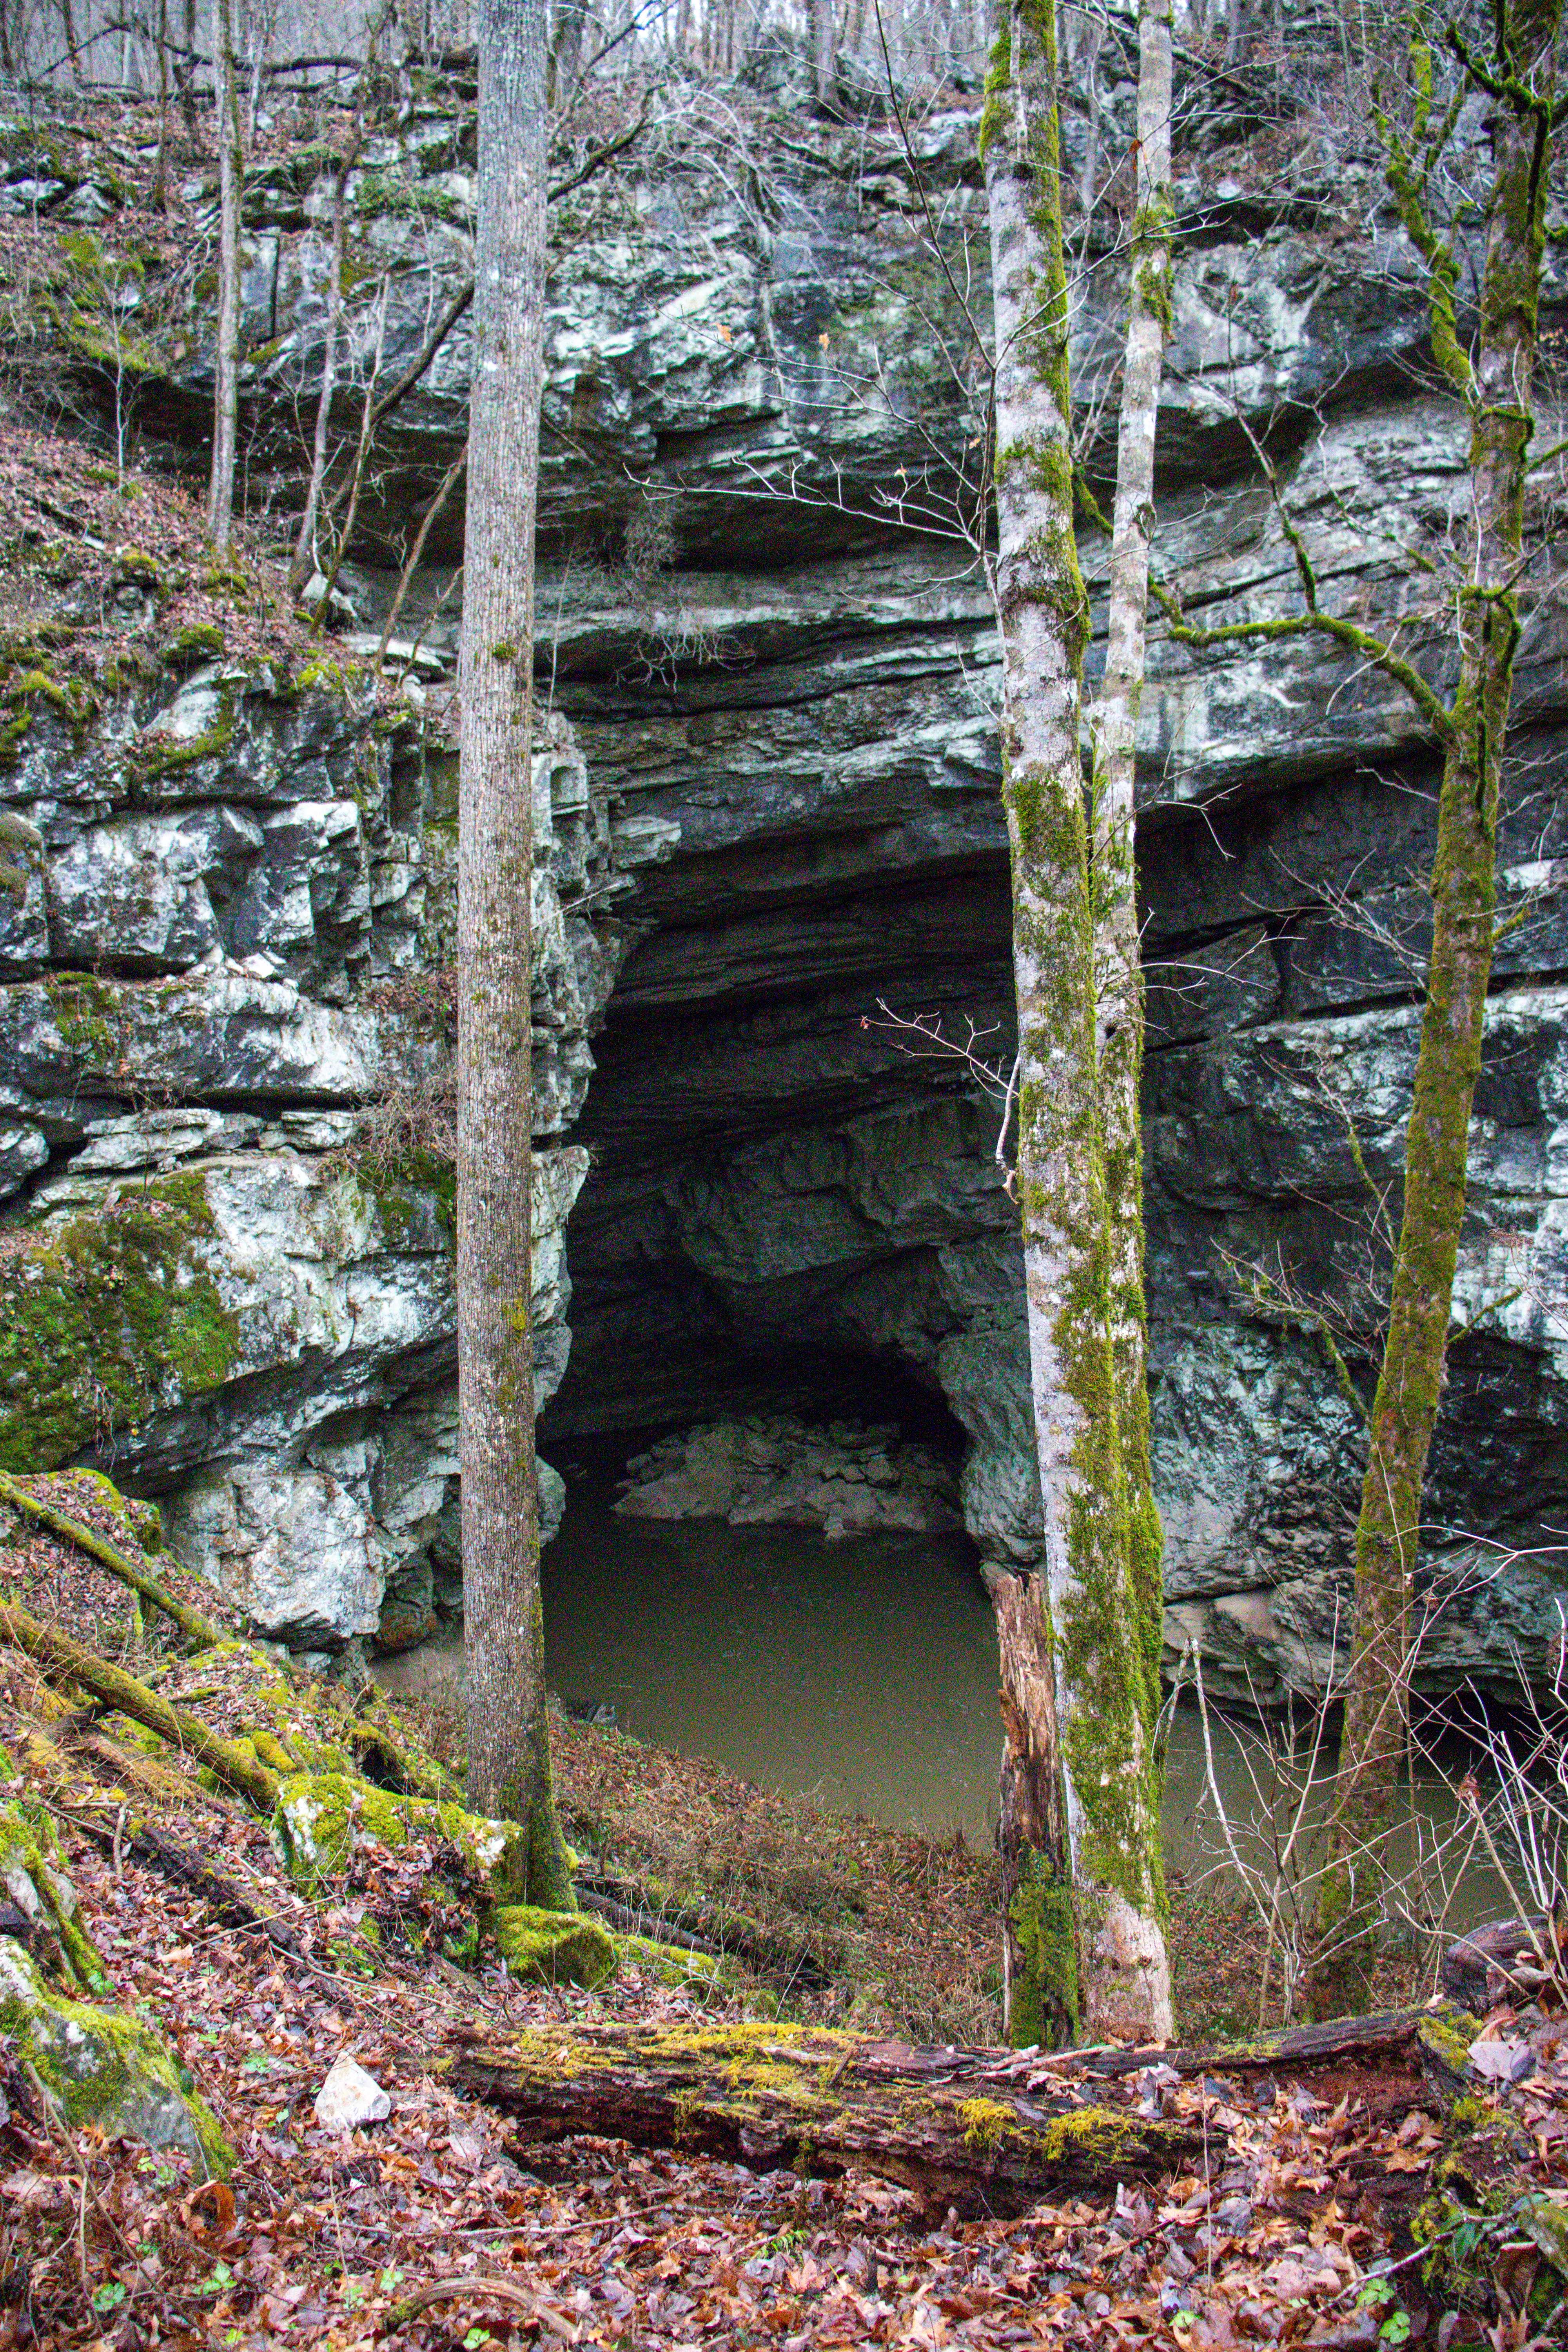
226 388
509 1741
304 562
161 168
825 45
1496 387
1080 1828
185 73
1238 34
1120 980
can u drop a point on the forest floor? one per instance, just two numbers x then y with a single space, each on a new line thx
447 2226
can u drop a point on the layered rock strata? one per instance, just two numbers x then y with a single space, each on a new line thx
759 427
226 1093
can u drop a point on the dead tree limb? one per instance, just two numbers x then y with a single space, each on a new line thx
200 1629
67 1661
968 2129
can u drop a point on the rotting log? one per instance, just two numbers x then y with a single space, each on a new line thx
68 1661
191 1622
1435 2036
983 2133
158 1851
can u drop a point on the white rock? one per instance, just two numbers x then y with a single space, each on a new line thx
349 2096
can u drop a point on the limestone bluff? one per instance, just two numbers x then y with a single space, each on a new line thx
772 796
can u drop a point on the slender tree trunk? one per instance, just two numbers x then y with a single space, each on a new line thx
1120 1009
825 47
304 562
508 1743
1080 1828
1238 34
185 73
226 389
161 168
1497 387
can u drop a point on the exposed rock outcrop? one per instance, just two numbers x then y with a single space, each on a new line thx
226 960
783 686
769 1470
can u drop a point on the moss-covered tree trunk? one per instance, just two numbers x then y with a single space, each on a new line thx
226 371
1115 730
509 1741
1496 386
1080 1828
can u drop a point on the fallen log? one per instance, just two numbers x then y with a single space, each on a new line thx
1435 2036
165 1854
190 1622
72 1662
984 2138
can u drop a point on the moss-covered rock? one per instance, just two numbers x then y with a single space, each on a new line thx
104 2067
38 1884
554 1947
323 1816
107 1317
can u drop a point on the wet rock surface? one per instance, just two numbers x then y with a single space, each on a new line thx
769 1470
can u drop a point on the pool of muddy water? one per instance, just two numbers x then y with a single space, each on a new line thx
860 1673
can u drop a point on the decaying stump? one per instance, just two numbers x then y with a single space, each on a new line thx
1511 1959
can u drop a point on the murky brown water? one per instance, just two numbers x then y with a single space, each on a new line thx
862 1674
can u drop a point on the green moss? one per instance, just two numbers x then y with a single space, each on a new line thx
107 1317
104 2067
69 698
704 1975
1043 2004
188 648
554 1947
323 1815
157 756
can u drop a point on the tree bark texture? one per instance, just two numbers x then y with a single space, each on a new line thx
509 1746
1115 731
1496 388
1079 1828
977 2129
225 374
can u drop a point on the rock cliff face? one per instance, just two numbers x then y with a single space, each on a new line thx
219 1287
781 676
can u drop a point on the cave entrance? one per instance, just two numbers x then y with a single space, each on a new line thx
785 1589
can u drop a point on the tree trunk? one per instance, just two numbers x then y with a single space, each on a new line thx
1079 1829
960 2127
225 386
185 73
1115 729
304 562
825 42
509 1746
1497 390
